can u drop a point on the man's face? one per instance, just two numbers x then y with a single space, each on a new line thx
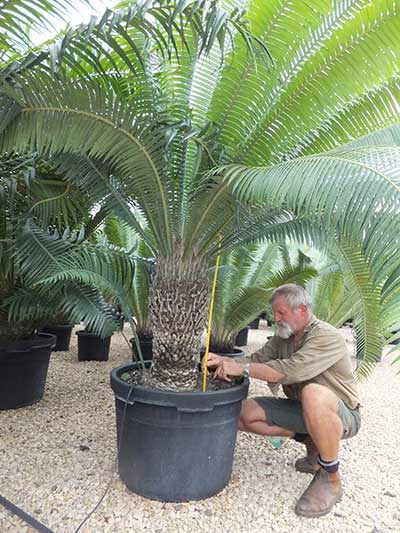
288 321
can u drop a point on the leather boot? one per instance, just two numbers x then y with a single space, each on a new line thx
320 496
309 463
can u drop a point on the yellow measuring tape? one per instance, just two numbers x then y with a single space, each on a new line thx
210 313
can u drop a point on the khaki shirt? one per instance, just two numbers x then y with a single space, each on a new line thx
321 356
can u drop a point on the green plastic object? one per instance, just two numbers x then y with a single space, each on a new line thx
276 442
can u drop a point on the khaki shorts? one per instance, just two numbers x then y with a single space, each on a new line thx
288 414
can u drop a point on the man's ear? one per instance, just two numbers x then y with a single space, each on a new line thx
304 309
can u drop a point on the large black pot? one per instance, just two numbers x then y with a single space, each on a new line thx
242 337
63 335
91 347
23 370
146 345
175 446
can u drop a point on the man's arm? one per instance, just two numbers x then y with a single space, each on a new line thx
320 352
226 367
266 353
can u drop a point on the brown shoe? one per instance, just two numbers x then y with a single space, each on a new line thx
319 497
309 463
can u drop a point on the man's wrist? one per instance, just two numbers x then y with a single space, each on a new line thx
246 370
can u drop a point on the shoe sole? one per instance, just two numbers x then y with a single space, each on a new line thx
317 514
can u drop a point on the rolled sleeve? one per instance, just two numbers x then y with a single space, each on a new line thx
319 353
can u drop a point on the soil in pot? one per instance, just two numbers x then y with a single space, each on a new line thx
164 435
63 335
23 370
91 347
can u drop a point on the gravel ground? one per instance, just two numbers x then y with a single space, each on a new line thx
57 458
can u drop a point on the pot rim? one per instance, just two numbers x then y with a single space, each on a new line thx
186 401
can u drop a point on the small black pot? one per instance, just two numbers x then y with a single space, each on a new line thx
242 337
146 345
23 370
175 446
236 352
63 335
394 332
91 347
255 323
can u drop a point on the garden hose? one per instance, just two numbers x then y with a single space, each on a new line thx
210 313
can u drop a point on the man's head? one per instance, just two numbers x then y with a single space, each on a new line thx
292 308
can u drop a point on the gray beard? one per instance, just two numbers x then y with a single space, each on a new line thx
283 330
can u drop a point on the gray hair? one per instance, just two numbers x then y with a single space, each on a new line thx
293 294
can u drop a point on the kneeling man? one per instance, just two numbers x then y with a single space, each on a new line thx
311 361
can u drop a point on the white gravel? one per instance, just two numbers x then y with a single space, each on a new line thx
45 472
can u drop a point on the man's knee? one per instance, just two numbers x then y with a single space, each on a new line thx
316 398
250 412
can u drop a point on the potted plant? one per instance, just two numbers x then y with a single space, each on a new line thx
188 122
252 272
122 235
42 276
61 329
92 347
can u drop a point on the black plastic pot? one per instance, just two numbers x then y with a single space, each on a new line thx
175 446
63 335
255 323
146 345
23 371
395 332
91 347
242 337
236 352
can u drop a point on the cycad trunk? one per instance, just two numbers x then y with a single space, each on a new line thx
178 307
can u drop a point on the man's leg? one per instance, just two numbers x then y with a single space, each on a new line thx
320 411
253 419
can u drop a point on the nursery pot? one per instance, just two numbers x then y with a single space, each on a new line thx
91 347
146 345
242 337
255 323
23 370
62 334
395 332
236 352
175 446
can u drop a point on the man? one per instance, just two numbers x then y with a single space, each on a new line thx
310 359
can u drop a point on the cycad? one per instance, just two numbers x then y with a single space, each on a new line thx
244 289
42 272
137 289
156 106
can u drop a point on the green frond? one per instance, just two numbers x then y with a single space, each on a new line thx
17 17
82 119
355 190
38 252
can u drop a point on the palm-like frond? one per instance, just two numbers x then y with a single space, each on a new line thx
244 290
300 107
17 17
356 190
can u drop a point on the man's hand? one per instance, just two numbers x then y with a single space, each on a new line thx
225 368
213 360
